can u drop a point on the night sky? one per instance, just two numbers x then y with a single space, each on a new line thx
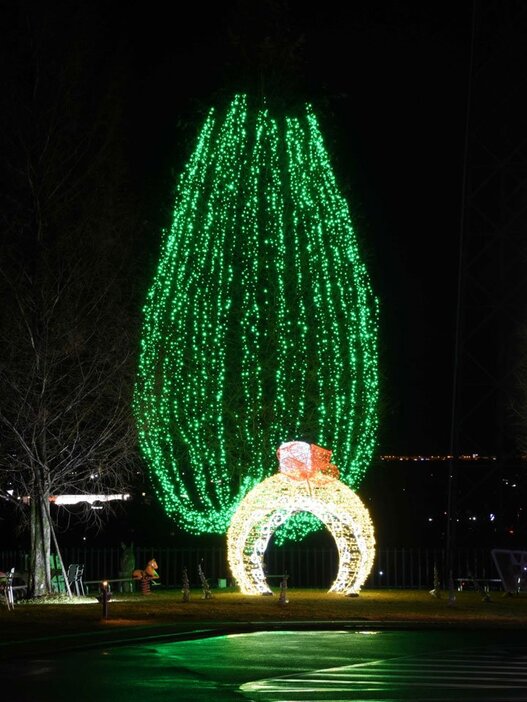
389 82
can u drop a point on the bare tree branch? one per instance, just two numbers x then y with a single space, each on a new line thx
67 320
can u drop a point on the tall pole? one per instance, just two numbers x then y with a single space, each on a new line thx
454 447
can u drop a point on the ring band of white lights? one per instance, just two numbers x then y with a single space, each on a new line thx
306 483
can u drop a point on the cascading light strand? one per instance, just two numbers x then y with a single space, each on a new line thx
298 321
280 337
251 375
359 300
260 325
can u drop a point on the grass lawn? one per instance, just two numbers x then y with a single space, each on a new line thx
129 614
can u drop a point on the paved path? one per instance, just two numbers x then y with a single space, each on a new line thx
346 664
480 674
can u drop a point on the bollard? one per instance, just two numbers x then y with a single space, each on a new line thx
105 597
282 600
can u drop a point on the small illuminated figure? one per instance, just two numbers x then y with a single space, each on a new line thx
147 577
306 482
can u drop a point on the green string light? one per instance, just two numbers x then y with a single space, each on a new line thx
260 325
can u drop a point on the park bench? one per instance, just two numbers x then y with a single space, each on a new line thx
484 584
109 581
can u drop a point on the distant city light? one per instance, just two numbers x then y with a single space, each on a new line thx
437 457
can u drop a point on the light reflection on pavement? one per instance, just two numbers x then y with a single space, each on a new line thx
285 665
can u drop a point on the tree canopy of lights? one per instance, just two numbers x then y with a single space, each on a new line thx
260 325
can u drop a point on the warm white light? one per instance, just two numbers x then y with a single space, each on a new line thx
76 499
276 499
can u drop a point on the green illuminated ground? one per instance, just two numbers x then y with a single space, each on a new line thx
272 666
164 611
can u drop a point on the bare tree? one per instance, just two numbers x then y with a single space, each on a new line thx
66 328
65 398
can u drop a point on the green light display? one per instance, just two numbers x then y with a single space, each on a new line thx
260 325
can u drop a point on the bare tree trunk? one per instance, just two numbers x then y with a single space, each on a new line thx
40 574
59 554
66 375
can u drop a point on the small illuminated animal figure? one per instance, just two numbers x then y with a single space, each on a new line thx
149 573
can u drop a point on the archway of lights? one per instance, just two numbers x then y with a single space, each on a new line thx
260 325
307 482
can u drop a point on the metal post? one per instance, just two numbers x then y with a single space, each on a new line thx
105 598
282 601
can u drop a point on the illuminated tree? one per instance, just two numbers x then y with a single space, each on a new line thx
260 325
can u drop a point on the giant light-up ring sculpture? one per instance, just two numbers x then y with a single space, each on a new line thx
307 482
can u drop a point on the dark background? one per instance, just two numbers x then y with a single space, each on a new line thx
389 82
